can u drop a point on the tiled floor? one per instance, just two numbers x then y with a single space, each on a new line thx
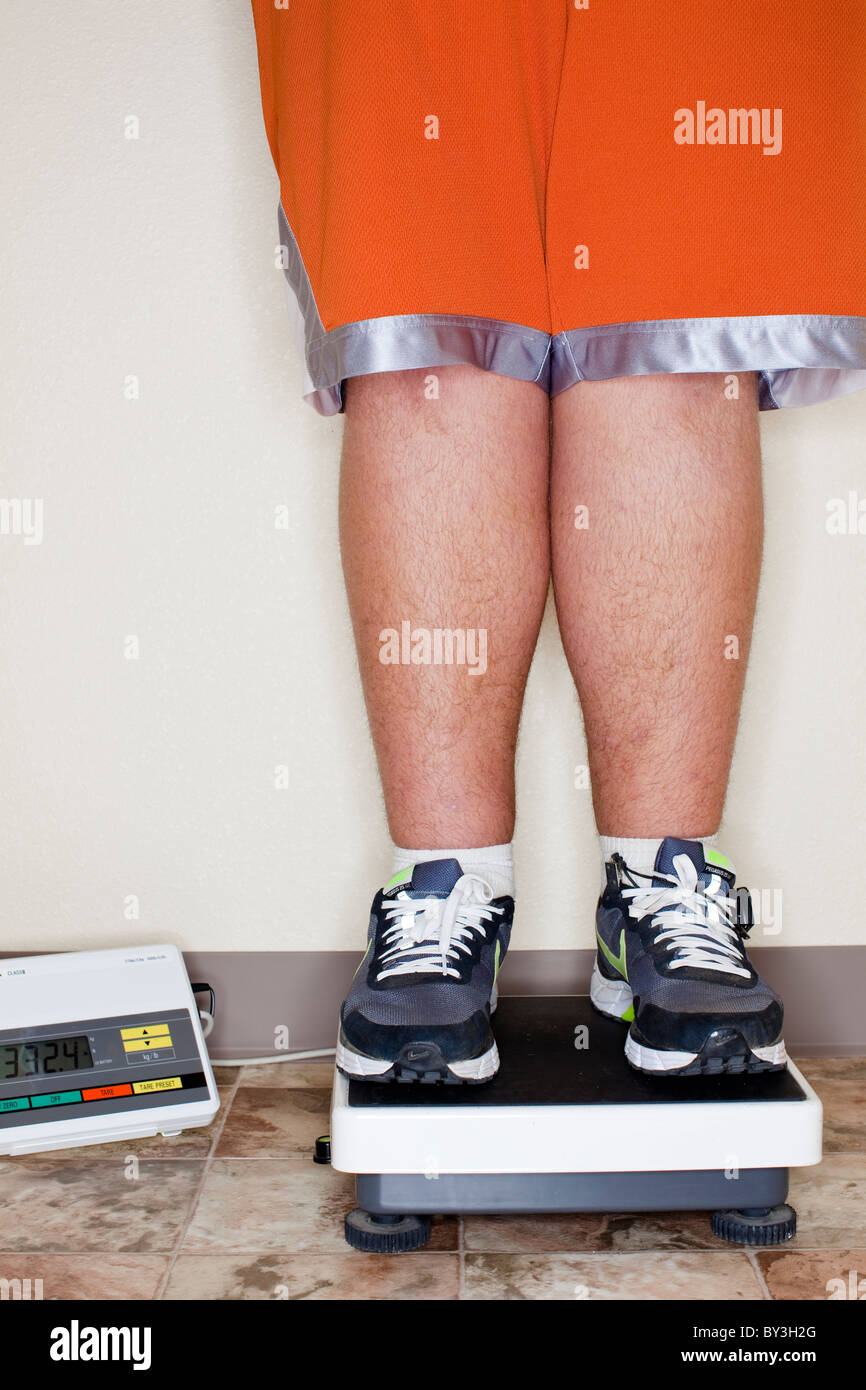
239 1211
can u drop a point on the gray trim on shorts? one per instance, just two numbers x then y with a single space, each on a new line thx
801 358
785 348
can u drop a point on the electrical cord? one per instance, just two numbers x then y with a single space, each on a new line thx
280 1057
207 1018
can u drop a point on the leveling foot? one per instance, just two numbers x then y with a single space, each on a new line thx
756 1225
386 1235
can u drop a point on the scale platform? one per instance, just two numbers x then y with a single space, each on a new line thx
567 1125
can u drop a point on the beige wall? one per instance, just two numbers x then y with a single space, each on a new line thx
154 777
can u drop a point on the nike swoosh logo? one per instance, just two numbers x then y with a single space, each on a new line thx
618 962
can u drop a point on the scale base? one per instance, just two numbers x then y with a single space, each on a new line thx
555 1129
497 1193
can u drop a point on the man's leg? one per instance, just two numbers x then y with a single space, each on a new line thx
444 526
443 523
656 596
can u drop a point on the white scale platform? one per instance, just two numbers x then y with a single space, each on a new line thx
639 1142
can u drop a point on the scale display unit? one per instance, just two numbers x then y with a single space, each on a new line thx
572 1128
99 1046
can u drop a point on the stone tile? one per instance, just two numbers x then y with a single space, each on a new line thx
317 1073
444 1235
190 1143
274 1122
270 1204
841 1084
72 1204
289 1205
591 1231
134 1277
348 1276
830 1201
225 1076
647 1276
833 1068
814 1274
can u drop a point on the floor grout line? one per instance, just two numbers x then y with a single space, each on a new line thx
252 1253
461 1256
759 1275
206 1165
278 1252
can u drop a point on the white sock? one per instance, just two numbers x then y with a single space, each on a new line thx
495 863
639 854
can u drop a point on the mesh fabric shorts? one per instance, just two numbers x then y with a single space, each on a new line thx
567 190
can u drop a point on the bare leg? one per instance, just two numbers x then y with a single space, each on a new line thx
444 524
656 597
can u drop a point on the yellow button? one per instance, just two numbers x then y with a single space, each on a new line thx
147 1031
165 1083
148 1044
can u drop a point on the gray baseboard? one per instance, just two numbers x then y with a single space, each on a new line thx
258 992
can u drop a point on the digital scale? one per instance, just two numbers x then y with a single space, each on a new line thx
568 1128
97 1046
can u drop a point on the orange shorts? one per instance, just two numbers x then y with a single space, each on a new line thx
568 190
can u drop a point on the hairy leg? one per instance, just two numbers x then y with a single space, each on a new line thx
656 595
444 525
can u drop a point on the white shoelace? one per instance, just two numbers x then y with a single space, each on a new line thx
697 926
429 933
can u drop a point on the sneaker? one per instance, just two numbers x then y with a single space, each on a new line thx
420 1003
672 962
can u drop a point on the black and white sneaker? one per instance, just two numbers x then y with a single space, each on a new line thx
420 1004
672 963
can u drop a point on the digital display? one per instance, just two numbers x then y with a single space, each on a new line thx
44 1058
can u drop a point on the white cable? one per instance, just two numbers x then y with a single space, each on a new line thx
207 1021
281 1057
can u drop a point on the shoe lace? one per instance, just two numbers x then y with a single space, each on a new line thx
697 924
427 935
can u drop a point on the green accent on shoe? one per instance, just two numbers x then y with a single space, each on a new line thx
628 1016
618 962
363 958
496 963
404 876
714 857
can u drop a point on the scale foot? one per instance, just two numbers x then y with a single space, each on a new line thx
757 1226
386 1235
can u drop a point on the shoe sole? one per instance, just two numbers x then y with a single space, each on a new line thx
419 1062
427 1069
724 1053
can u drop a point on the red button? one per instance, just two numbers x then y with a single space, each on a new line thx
105 1092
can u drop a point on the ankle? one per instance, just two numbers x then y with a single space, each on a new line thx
639 853
495 863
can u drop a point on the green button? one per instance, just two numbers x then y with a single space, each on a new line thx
22 1103
56 1098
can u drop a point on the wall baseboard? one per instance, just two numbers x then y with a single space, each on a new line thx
258 992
